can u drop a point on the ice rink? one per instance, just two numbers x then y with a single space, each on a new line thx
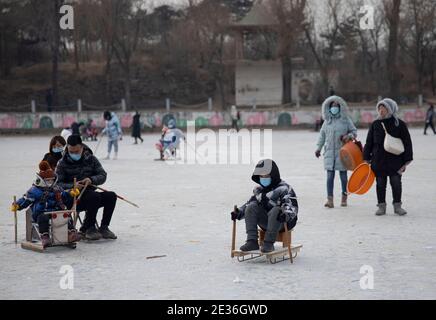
184 215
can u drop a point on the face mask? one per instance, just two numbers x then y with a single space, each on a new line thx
265 182
335 110
57 150
75 156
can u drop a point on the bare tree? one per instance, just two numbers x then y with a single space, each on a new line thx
392 10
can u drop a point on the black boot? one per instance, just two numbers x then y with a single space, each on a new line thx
106 233
45 239
250 245
267 247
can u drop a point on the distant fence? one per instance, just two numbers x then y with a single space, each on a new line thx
154 119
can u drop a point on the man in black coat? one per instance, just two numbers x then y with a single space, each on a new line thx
383 163
79 163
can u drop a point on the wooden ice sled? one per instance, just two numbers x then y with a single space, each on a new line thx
287 252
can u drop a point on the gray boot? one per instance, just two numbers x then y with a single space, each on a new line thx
398 210
267 247
329 203
250 245
381 209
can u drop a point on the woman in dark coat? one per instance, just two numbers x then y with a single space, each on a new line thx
136 128
55 150
383 163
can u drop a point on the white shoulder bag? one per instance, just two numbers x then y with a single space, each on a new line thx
392 145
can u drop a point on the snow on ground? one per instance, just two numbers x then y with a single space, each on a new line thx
184 215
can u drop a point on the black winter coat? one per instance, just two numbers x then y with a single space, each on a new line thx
136 126
87 167
382 162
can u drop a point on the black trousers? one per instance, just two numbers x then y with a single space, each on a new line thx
91 201
429 124
396 186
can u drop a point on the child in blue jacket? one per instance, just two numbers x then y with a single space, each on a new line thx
45 196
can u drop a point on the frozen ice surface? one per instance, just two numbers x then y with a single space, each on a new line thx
184 216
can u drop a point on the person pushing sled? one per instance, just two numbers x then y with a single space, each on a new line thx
273 207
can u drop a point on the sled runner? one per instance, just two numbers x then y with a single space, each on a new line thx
58 231
287 252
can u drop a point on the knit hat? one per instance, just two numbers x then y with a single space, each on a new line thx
392 108
45 171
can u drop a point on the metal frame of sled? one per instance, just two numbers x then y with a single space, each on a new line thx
288 251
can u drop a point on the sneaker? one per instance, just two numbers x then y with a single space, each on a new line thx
106 233
92 234
250 245
267 247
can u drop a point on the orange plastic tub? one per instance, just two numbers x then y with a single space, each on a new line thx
351 155
361 180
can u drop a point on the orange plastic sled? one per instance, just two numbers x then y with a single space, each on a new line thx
351 155
361 180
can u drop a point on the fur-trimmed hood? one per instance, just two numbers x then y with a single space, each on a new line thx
327 116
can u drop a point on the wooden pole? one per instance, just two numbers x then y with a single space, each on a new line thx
75 204
15 221
119 197
288 242
234 234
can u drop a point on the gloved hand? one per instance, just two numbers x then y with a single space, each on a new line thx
75 192
282 217
234 214
121 138
15 207
318 153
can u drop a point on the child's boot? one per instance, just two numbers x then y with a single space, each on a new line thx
381 211
250 245
329 203
398 210
45 239
344 200
73 236
267 247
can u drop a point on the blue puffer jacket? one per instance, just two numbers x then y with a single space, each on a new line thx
42 199
113 128
332 130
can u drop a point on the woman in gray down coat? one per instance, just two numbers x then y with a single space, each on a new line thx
337 130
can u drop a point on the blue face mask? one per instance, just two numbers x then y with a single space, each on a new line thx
57 150
75 156
265 182
335 110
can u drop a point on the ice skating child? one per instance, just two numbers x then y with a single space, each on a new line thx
113 131
273 203
336 130
45 196
383 163
170 140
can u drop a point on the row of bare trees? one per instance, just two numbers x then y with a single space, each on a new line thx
196 40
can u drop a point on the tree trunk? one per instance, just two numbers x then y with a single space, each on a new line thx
287 79
391 63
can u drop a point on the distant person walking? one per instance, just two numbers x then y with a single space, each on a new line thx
429 120
136 128
235 116
113 131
